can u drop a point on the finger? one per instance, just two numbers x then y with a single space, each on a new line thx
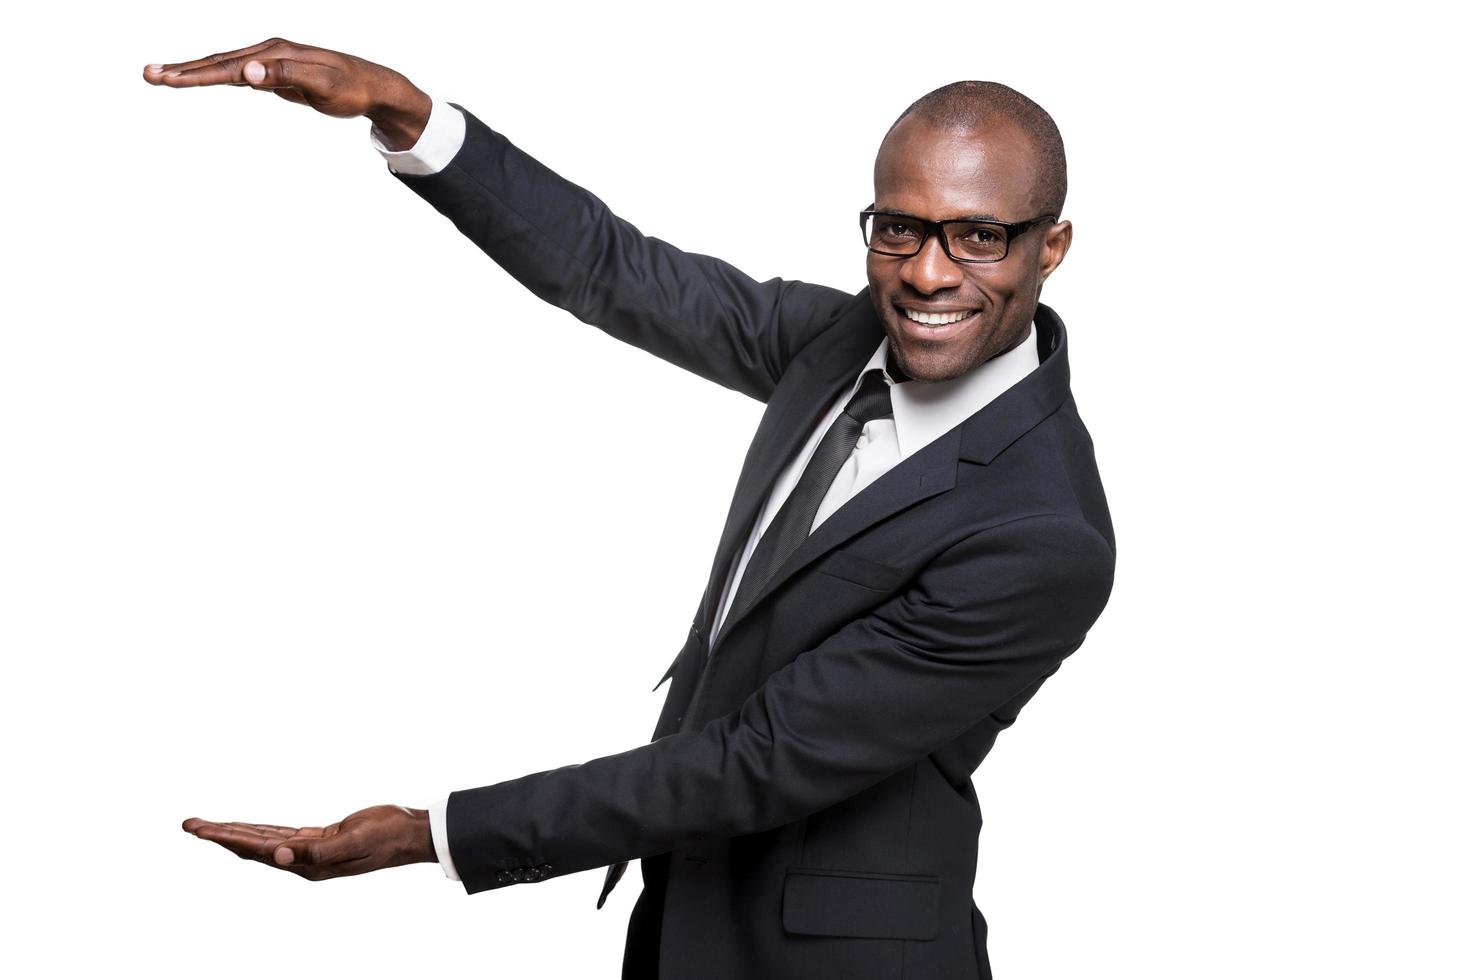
244 843
270 73
273 831
291 95
228 72
219 827
312 831
210 59
193 824
264 833
269 829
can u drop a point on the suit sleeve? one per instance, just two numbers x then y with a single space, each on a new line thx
985 620
567 247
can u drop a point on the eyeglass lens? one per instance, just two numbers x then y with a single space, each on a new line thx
967 239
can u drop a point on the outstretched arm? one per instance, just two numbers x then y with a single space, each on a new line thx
984 622
566 246
557 239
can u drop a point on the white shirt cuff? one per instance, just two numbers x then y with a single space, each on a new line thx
438 825
441 138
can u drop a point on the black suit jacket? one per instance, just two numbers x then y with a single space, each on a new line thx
804 809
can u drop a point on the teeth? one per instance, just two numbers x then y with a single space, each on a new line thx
934 319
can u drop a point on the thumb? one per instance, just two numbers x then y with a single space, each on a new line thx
308 850
277 73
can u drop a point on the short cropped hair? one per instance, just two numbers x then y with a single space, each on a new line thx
975 106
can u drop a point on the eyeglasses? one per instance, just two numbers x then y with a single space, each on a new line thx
963 239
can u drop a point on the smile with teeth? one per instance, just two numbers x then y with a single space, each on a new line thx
936 319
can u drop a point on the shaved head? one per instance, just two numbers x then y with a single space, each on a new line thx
977 107
971 152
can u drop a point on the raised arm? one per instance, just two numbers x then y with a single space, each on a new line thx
567 247
556 238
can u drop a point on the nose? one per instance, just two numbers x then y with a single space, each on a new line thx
931 269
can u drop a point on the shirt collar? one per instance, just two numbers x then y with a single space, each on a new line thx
925 410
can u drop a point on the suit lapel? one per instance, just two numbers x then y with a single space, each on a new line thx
821 372
928 472
1020 408
824 371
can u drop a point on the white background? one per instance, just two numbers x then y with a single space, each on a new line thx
308 506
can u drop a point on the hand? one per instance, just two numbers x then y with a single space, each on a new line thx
368 840
330 82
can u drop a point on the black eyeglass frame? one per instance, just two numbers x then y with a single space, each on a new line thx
1013 230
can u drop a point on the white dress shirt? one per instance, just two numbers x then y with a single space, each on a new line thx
922 411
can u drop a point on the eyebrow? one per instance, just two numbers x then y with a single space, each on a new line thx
962 217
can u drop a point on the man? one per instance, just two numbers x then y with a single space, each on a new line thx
918 539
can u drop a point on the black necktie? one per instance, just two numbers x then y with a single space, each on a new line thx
792 523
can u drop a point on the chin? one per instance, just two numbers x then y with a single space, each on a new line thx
928 360
930 363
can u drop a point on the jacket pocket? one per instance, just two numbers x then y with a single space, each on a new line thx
854 568
867 904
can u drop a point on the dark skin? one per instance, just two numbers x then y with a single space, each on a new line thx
330 82
929 172
936 174
368 840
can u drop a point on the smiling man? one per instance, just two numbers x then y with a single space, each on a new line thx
950 169
917 540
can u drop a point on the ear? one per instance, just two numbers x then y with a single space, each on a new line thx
1054 246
